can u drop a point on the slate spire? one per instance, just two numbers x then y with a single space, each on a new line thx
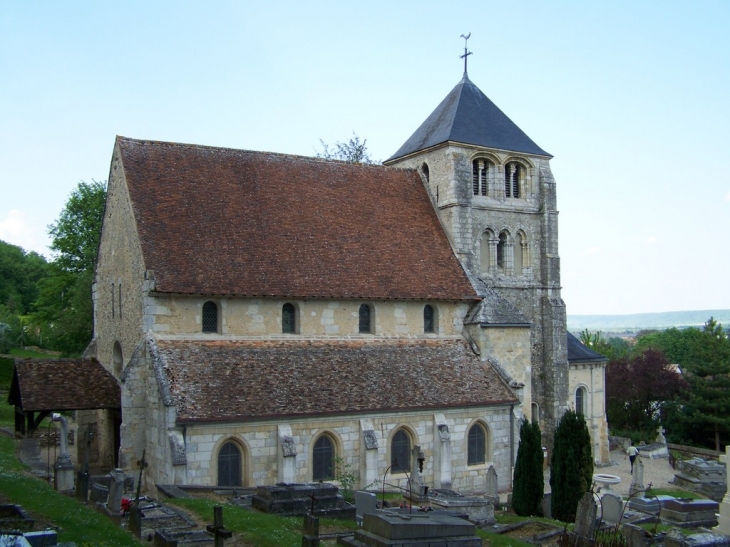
467 116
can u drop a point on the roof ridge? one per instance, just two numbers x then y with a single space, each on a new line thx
258 153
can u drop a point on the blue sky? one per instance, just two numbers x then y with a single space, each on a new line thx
632 99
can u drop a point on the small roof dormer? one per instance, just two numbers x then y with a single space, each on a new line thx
467 116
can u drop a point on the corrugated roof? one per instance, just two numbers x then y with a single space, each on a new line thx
63 384
577 352
467 116
235 222
243 380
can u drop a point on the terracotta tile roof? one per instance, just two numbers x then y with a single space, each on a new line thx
235 222
63 384
241 380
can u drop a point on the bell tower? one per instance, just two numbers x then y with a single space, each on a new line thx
496 198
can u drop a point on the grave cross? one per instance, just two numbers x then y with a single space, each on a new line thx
220 533
141 463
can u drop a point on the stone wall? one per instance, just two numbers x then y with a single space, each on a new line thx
258 317
259 442
591 376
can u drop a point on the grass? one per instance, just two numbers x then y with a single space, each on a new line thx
677 493
260 529
19 352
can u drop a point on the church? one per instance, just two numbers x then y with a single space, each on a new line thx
274 318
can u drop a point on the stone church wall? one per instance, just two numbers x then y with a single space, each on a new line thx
591 377
262 317
260 445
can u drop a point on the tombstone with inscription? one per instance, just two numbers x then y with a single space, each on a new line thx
491 490
365 502
612 507
64 468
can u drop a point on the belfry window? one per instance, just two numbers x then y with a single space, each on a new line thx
210 317
512 177
480 176
288 319
501 244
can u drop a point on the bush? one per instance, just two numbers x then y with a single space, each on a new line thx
529 486
6 371
571 473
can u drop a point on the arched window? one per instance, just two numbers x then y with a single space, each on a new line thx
512 177
520 252
288 319
210 317
535 413
485 251
117 358
400 452
365 319
229 465
424 168
580 400
428 319
481 173
501 246
323 459
477 445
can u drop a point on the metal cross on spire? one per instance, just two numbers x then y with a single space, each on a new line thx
466 53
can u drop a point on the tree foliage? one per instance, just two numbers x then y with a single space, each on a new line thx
707 370
571 472
64 301
638 388
675 343
20 272
613 347
352 151
529 483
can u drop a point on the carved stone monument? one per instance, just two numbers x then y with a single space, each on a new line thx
64 476
637 477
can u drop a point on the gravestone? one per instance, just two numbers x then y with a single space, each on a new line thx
660 438
585 520
634 535
114 503
637 477
296 499
689 513
649 504
311 531
612 507
492 486
385 529
478 510
64 477
706 475
365 502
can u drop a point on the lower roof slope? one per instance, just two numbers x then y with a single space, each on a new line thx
245 380
235 222
63 384
580 353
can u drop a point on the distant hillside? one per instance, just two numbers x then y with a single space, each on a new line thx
638 321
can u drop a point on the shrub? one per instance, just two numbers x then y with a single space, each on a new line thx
529 486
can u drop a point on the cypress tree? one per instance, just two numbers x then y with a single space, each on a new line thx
571 473
529 486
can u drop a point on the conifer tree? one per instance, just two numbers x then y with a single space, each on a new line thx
529 486
571 472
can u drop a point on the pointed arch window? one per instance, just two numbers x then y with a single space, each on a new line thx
323 459
400 452
426 174
229 465
288 319
210 317
477 445
580 400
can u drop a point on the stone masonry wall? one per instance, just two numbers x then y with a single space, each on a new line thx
259 443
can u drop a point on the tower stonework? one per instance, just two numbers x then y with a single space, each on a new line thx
496 198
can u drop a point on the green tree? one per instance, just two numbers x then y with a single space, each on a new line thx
64 305
529 483
707 371
597 343
352 151
571 472
675 343
20 272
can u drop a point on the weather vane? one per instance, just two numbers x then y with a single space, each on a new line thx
466 53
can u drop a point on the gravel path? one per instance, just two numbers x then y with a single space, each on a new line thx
658 472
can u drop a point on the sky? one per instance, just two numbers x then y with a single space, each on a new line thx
631 98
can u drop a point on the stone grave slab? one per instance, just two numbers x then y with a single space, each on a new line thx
479 510
649 504
296 499
689 513
417 530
